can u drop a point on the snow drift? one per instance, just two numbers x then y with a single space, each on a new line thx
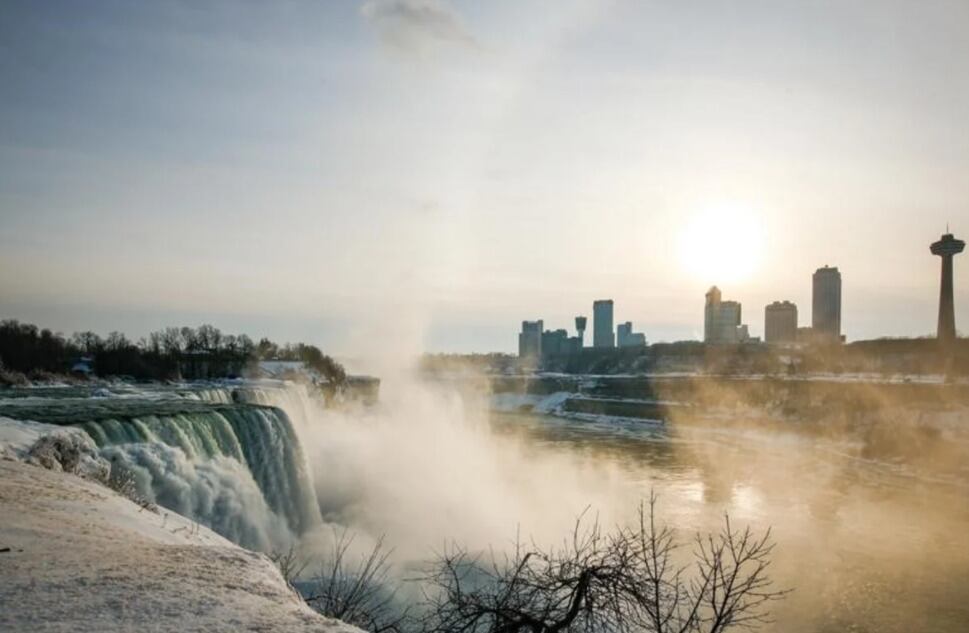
78 556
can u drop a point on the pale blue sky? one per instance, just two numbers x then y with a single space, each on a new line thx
431 173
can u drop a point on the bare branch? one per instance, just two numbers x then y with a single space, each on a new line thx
625 581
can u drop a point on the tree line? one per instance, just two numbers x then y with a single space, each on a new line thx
170 353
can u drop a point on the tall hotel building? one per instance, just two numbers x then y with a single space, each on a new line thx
826 304
780 322
603 334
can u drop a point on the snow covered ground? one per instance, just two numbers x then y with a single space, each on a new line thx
76 556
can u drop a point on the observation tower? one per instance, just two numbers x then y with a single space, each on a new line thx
947 247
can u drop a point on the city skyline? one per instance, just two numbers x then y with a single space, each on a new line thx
354 173
723 322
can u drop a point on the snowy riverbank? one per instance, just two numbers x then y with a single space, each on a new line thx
76 556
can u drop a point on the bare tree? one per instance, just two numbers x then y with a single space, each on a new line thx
729 585
571 588
290 563
171 340
359 593
626 580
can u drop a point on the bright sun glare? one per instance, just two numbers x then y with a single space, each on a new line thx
722 244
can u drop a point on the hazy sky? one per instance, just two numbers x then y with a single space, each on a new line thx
427 174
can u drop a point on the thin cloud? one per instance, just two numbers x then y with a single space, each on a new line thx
417 27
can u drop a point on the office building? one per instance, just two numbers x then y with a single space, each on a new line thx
530 340
729 323
625 337
722 320
946 248
780 322
742 334
711 312
555 343
826 304
603 335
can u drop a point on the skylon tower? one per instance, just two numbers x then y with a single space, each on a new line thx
946 248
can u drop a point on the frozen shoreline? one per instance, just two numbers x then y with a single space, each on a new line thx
83 558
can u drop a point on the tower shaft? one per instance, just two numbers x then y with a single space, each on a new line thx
947 311
947 248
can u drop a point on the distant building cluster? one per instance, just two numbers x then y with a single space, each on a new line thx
723 322
780 317
536 343
625 337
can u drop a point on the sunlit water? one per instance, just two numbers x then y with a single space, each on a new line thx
866 546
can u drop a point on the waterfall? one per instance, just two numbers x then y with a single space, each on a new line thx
239 469
217 395
227 455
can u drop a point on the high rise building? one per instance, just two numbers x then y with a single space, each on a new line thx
826 304
729 323
722 320
530 340
555 343
622 331
946 248
780 322
625 337
602 331
711 312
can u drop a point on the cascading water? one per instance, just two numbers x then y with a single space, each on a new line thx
224 457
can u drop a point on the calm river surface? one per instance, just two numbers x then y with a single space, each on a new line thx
866 545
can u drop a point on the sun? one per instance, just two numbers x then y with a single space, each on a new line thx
722 244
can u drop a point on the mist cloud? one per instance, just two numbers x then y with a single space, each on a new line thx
417 28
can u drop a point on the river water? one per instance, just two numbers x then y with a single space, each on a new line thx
866 545
865 541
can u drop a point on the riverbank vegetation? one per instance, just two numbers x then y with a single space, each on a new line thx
28 352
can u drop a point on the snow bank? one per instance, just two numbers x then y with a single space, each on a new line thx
52 447
76 556
17 436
